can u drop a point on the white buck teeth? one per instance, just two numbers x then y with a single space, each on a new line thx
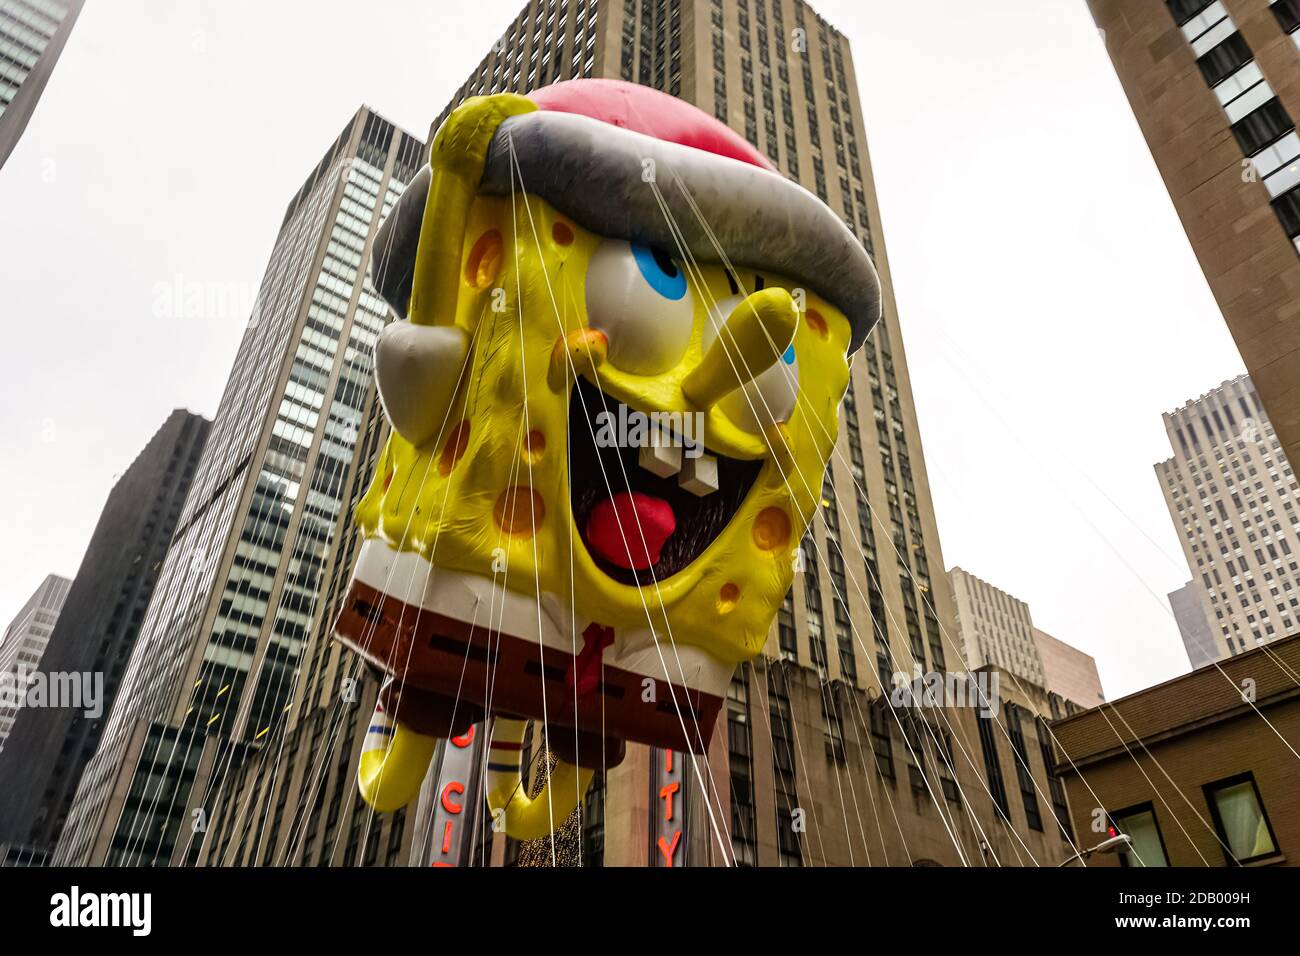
699 476
663 460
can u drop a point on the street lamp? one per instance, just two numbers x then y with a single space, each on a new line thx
1116 841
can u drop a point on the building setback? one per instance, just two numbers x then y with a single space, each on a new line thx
32 35
997 630
216 667
1215 87
996 627
1235 504
1069 672
96 632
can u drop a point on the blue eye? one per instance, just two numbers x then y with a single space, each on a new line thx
659 270
788 356
639 298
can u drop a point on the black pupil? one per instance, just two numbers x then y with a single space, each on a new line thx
664 262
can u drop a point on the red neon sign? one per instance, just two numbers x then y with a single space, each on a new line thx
671 836
452 788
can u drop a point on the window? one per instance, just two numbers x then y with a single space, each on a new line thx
992 767
949 785
744 829
783 767
833 722
1240 819
1184 10
1060 808
1148 848
1287 13
1028 793
1209 27
1225 59
1262 126
787 636
1287 207
881 741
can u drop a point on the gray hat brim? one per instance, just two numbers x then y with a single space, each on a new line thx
596 173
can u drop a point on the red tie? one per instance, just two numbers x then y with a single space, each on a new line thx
585 671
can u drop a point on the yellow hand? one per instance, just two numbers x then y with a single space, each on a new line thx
752 339
460 146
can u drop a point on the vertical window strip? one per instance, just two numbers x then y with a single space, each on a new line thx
1229 68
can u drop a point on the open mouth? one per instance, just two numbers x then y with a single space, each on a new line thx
637 526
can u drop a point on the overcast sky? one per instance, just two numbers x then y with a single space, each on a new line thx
1051 306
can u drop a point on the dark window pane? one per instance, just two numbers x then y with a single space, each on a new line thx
1184 10
1287 13
1262 127
1287 207
1225 59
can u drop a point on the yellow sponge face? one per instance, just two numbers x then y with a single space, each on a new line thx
572 466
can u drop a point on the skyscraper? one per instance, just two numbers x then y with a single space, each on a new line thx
96 632
1236 507
1193 628
32 35
216 666
23 645
1215 87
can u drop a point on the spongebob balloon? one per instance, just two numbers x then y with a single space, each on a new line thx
623 339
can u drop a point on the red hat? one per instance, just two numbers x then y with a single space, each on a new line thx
590 149
646 110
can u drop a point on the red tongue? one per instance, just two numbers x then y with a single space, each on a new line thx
630 529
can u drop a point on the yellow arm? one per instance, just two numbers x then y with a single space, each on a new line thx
456 160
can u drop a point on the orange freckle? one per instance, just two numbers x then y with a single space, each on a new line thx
388 480
816 322
562 233
534 445
728 597
454 448
484 260
772 529
519 510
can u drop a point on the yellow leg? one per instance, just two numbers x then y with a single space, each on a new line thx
394 760
525 817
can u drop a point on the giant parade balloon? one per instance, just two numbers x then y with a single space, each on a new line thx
621 343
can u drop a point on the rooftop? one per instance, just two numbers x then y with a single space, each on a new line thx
1206 696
